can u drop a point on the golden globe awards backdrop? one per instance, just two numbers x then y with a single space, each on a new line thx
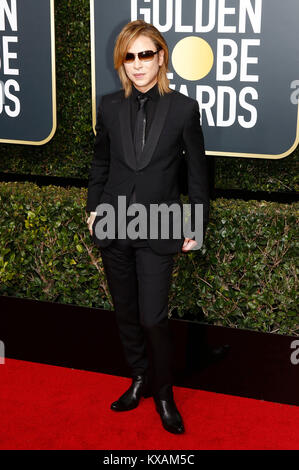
238 58
27 71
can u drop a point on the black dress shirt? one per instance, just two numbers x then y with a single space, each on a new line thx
150 107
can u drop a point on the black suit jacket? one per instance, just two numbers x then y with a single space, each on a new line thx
175 129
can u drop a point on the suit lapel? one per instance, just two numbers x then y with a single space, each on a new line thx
153 134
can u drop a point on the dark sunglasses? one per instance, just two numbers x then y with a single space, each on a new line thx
143 56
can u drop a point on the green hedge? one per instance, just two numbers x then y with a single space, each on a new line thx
244 277
69 153
258 174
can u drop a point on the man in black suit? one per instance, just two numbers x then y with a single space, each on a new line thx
141 132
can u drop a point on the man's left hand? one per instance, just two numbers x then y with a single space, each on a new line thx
188 244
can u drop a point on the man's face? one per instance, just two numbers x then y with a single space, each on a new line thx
143 74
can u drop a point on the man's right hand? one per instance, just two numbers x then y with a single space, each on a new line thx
90 221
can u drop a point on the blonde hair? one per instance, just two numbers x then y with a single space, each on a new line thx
129 32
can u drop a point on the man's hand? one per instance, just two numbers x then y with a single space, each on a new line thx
188 244
90 221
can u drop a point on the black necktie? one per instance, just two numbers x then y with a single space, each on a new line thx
139 135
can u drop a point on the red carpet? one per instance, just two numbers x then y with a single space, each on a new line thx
50 407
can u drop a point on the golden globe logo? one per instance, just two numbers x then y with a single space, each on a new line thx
192 58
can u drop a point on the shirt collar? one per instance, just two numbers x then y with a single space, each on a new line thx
152 93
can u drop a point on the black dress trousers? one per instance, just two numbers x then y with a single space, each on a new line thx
139 282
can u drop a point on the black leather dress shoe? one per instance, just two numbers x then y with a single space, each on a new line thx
166 407
130 399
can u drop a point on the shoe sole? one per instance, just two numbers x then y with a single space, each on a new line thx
145 395
124 409
173 431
